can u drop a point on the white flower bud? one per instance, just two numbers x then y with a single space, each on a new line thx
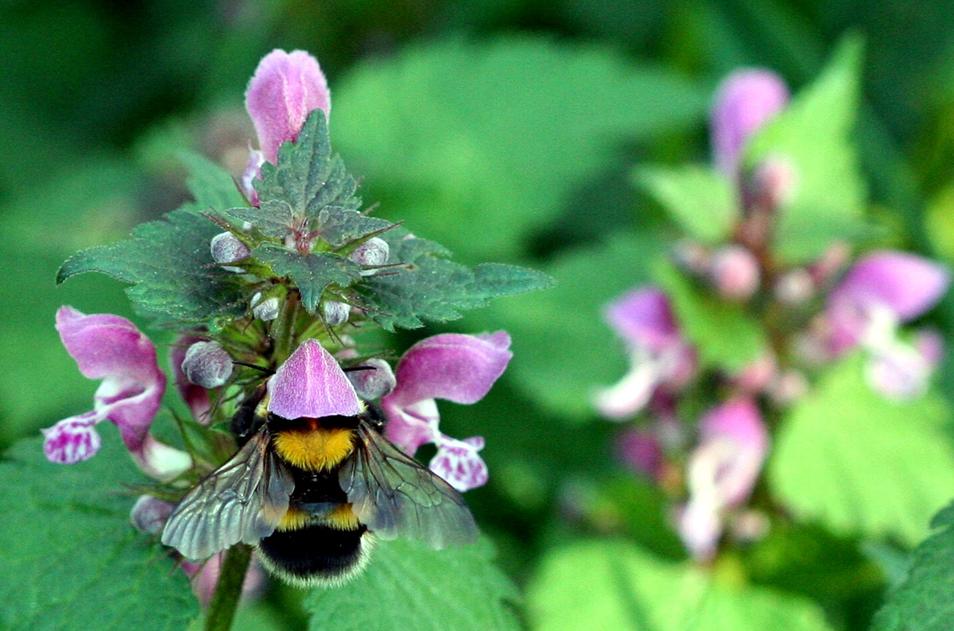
207 364
265 310
149 514
795 287
374 251
335 313
735 272
226 248
775 181
372 379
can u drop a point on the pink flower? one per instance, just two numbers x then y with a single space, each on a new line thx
285 88
196 397
722 472
659 356
458 368
112 349
744 102
641 451
311 384
204 577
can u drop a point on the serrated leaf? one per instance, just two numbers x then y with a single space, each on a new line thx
407 586
71 558
724 334
312 273
564 349
813 133
273 218
701 200
308 177
925 600
340 227
499 134
616 585
212 187
435 289
860 463
170 268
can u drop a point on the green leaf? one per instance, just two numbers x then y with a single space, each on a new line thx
407 586
699 199
311 273
563 349
925 600
862 464
170 268
435 289
616 585
212 187
70 555
273 218
496 136
813 134
308 177
725 335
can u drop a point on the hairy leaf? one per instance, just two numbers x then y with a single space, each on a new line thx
408 586
71 557
312 273
862 464
169 267
699 199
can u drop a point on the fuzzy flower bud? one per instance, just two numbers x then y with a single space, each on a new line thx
226 248
265 310
373 252
744 102
335 313
373 379
795 287
207 364
774 182
735 272
149 514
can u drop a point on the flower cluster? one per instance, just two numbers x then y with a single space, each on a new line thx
831 306
307 273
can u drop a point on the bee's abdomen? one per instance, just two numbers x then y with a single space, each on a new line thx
314 448
316 554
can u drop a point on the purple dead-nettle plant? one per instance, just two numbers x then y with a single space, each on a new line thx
700 409
266 295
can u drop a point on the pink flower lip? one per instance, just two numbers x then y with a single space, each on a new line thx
643 318
311 384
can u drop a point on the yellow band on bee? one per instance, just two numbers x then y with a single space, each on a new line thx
340 518
316 449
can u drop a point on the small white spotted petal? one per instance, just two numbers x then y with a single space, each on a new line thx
459 464
72 440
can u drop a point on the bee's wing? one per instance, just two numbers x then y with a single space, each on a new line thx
243 500
393 494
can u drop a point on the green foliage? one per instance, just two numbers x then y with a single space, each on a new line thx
311 273
615 585
435 289
861 464
701 200
494 136
925 600
170 269
813 134
407 586
724 334
563 349
71 558
211 186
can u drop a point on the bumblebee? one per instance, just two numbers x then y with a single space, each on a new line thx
313 494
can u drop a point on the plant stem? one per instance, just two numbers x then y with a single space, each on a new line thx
283 332
225 600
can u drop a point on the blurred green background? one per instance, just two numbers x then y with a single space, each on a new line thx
507 130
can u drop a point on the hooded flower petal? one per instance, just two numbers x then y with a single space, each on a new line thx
285 88
644 319
311 384
451 366
112 349
744 102
457 462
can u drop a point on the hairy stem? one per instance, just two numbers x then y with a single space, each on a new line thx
225 600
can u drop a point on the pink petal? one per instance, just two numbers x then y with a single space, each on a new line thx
640 450
72 440
160 461
411 426
744 102
700 527
205 578
285 88
909 285
451 366
735 436
644 319
252 168
459 464
311 384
